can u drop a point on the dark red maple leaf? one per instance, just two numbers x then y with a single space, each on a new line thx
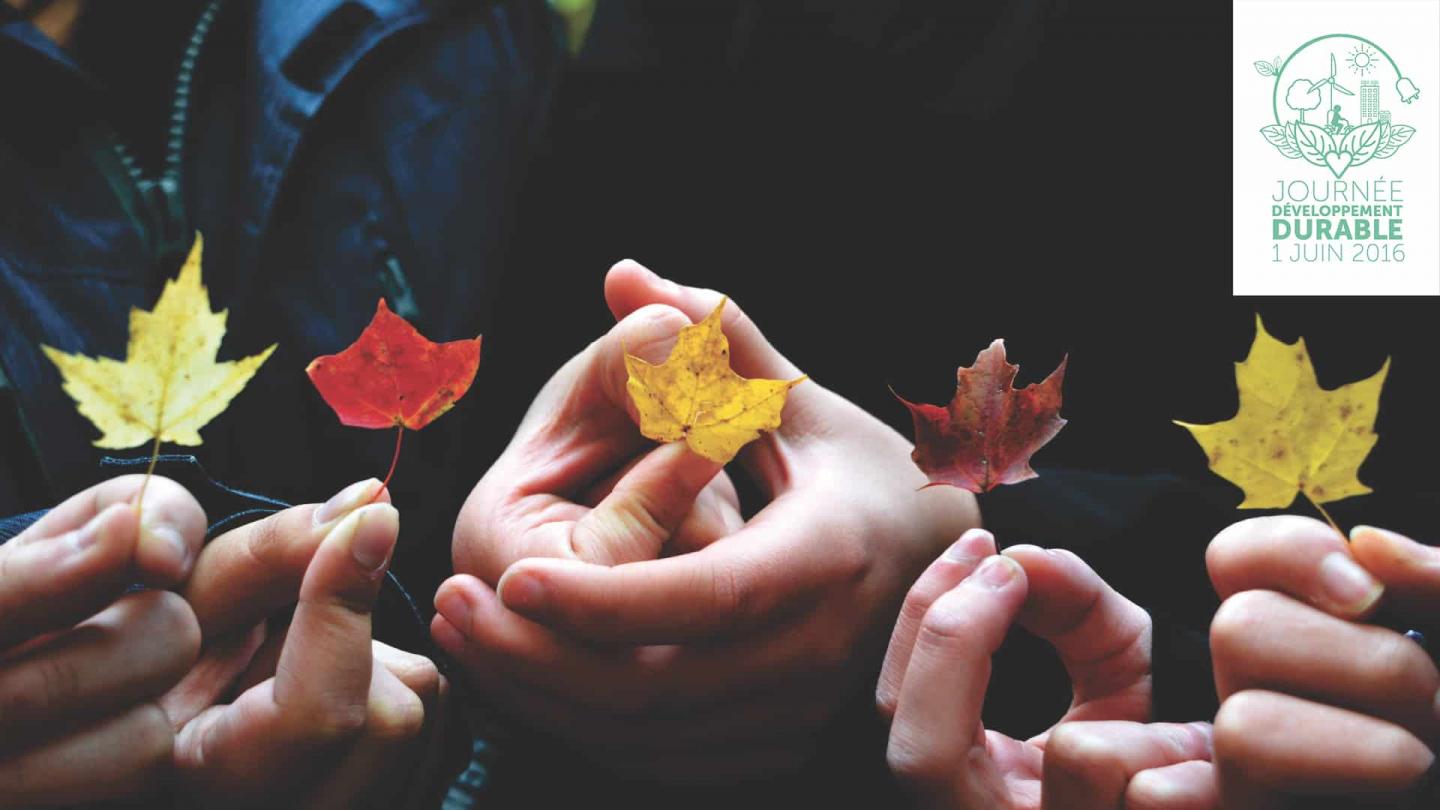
986 435
393 376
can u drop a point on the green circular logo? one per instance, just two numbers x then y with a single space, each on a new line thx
1339 102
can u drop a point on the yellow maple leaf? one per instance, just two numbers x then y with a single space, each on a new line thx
1290 435
169 385
695 396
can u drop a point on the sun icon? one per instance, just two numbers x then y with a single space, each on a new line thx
1361 59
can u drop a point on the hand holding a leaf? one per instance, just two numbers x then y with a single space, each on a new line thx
94 678
1102 755
1314 700
314 712
733 640
83 663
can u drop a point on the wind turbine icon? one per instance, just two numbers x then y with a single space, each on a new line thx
1334 86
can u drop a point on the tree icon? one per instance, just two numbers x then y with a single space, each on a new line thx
1302 96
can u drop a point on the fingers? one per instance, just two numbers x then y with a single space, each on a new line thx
633 710
716 514
82 554
737 582
324 672
252 571
1186 786
587 399
648 333
579 429
1268 745
629 286
645 508
1297 556
123 757
128 653
418 673
1102 638
494 644
53 582
171 529
373 772
1410 570
936 740
1090 765
212 677
945 573
1262 639
277 733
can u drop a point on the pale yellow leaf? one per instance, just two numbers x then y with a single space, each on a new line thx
169 385
1290 435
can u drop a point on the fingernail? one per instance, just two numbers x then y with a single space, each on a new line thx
521 592
455 609
372 537
165 542
1346 584
346 500
997 571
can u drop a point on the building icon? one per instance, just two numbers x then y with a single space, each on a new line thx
1369 101
1384 116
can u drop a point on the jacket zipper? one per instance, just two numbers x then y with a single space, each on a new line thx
162 217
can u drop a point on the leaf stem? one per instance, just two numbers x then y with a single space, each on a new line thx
1326 515
399 434
149 472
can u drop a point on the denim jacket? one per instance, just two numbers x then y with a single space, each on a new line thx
337 151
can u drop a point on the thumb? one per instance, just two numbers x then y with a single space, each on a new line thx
1102 638
324 669
587 395
646 506
630 286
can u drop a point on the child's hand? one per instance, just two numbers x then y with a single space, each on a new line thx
1101 754
1314 701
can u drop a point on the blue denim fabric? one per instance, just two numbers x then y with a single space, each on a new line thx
339 151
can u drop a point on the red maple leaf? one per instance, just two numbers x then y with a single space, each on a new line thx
986 435
393 376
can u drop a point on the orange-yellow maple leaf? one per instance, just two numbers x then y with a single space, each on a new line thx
695 397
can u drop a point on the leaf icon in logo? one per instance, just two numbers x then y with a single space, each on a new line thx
1362 142
1278 138
1317 147
1264 68
1312 142
1397 136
